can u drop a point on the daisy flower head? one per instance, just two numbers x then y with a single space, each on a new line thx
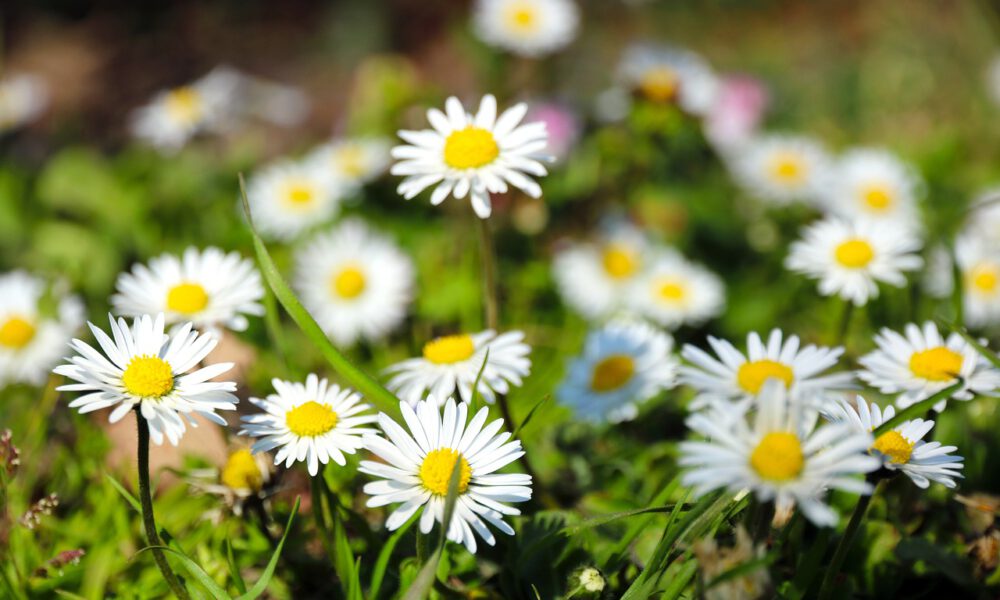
675 292
356 282
23 98
978 261
472 155
352 161
622 365
781 169
176 115
778 453
850 258
453 362
31 340
314 423
245 477
526 27
287 198
419 462
920 362
982 220
740 377
209 288
669 75
872 184
143 367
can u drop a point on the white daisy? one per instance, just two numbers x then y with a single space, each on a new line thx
31 339
870 183
352 161
982 220
978 261
622 365
23 98
735 376
526 27
675 292
286 198
850 258
453 362
174 116
356 283
922 363
666 74
781 169
472 155
144 367
313 423
210 288
778 453
419 464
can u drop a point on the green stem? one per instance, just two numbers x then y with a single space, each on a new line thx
846 541
148 521
487 254
845 323
319 514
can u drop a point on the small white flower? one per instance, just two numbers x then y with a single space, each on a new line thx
23 98
674 292
526 27
622 365
419 464
472 155
174 116
313 423
287 198
978 261
356 283
591 580
144 367
872 184
210 288
453 362
781 169
351 161
666 74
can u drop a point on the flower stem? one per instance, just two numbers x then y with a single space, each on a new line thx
846 541
487 254
845 323
149 522
319 514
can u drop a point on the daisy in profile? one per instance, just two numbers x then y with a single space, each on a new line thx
314 423
418 465
920 363
669 75
452 363
622 365
352 161
287 198
675 292
465 155
142 367
526 27
31 340
174 116
778 453
738 377
978 261
781 169
872 184
850 258
209 288
356 283
902 449
244 478
23 98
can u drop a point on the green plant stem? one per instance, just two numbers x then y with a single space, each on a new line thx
148 521
845 323
487 254
846 541
319 514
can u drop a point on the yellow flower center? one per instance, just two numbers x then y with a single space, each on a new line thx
16 333
673 292
936 364
619 261
854 254
660 84
449 349
187 298
778 457
348 283
522 16
984 278
299 195
612 373
895 446
470 148
787 168
241 472
436 470
878 198
351 160
753 374
184 105
311 419
148 376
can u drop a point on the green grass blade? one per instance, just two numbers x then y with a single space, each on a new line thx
424 581
265 577
194 570
382 562
132 500
234 570
531 413
476 397
919 409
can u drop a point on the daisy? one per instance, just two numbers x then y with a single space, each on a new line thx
244 478
739 377
978 261
472 155
312 423
32 340
23 98
453 362
779 454
355 282
352 161
666 74
286 198
872 184
419 464
921 363
526 27
174 116
850 258
781 169
622 365
675 292
209 288
148 369
902 448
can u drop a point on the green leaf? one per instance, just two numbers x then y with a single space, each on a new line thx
476 396
531 413
268 573
571 530
234 570
382 562
343 557
194 570
920 408
132 500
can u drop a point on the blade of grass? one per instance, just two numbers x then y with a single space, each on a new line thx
132 500
194 570
265 577
382 562
425 578
234 570
617 553
476 397
919 409
531 413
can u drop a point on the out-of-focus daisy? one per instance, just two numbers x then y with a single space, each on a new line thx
244 477
355 282
666 74
23 98
32 341
472 155
714 560
352 161
622 365
174 116
778 454
314 423
982 220
735 376
737 111
978 261
453 362
675 292
286 198
210 288
144 367
526 27
781 169
870 183
921 363
903 448
419 464
850 258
